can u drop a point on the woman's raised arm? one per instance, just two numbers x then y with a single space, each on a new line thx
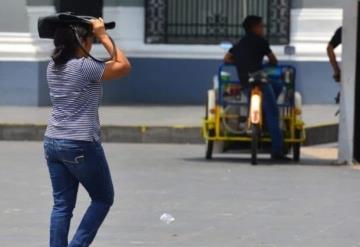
120 65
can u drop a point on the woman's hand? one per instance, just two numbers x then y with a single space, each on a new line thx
98 28
120 65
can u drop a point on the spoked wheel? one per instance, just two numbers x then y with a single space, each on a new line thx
255 133
210 145
297 147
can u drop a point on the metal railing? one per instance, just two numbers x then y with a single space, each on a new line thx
212 21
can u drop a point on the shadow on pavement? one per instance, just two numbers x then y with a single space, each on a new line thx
306 161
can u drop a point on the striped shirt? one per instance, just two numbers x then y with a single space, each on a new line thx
75 93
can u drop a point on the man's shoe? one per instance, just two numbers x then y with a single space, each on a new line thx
280 157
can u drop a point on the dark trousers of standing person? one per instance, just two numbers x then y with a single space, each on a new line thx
71 163
271 92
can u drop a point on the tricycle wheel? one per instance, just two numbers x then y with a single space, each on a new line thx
297 147
255 132
210 145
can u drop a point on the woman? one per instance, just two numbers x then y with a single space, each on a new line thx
72 140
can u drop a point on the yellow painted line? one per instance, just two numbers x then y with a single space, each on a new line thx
179 126
143 129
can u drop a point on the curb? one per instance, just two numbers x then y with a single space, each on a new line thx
316 135
321 134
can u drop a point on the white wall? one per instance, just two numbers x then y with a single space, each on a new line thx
311 29
13 16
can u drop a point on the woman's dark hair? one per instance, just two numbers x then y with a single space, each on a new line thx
66 43
250 22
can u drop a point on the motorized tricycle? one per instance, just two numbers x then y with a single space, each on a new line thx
234 119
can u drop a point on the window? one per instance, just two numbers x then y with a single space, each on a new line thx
212 21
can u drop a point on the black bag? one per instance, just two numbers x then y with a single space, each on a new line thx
47 25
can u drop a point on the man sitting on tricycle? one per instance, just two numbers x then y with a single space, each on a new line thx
248 55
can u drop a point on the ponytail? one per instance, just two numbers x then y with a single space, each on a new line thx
66 44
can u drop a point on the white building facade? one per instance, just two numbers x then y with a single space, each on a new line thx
162 73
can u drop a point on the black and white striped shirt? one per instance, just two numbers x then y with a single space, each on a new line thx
75 93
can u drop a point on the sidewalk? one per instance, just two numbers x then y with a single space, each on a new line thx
189 116
153 124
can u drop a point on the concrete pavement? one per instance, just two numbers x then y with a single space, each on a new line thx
225 202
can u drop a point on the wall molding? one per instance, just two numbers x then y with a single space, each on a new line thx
311 30
17 47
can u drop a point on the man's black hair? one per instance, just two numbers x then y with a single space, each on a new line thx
251 21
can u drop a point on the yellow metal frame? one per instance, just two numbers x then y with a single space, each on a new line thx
214 122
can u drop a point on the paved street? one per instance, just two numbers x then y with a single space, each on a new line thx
225 202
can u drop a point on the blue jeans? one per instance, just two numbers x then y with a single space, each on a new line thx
70 163
271 92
